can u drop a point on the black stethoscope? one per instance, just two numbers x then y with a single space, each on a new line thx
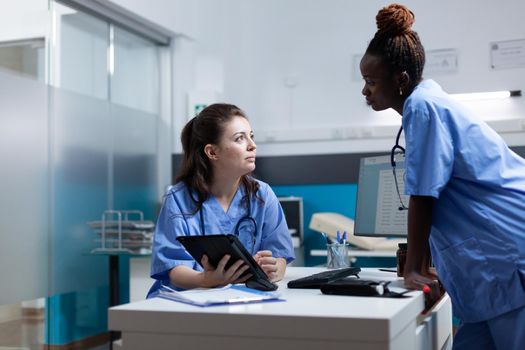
245 219
397 149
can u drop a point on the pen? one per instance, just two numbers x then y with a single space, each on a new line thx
344 237
388 270
328 241
338 237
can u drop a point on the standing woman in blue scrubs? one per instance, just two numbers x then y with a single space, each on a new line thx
215 194
466 187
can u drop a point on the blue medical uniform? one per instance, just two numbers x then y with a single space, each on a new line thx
477 237
175 220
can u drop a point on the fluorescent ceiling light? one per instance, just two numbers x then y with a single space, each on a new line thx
493 95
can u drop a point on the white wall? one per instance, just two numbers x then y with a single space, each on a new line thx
23 19
289 64
178 16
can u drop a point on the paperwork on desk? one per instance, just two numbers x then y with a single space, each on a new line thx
230 294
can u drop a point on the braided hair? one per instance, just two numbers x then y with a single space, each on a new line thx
397 44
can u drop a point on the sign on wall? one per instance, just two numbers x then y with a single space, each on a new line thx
442 61
507 54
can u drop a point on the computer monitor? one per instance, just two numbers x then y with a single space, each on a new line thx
378 211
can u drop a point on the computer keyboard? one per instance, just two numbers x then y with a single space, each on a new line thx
318 279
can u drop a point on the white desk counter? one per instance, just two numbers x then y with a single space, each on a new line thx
307 319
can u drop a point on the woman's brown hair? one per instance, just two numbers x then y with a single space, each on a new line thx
196 170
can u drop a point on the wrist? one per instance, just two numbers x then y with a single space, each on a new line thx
411 267
201 280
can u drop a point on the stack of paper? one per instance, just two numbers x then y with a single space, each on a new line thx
231 294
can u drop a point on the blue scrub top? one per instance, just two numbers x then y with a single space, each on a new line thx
477 238
174 220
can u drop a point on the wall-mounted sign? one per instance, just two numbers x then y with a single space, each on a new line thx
507 54
442 61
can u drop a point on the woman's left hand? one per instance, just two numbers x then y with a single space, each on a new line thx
268 263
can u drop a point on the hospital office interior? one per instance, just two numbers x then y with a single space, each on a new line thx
94 95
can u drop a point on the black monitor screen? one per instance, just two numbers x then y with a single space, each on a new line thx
378 205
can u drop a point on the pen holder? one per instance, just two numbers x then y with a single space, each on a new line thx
337 255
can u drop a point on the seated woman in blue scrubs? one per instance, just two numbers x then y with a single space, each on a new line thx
466 187
215 194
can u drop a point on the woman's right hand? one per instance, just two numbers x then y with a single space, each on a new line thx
219 276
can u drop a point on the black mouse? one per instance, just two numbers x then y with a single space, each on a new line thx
260 284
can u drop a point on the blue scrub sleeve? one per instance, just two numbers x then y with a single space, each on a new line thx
275 234
429 153
167 251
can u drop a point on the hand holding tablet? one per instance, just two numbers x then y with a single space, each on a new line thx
215 247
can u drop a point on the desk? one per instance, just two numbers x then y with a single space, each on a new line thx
306 320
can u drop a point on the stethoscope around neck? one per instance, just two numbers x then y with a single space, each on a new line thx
397 149
245 219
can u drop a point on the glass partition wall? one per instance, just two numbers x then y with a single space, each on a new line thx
80 121
24 178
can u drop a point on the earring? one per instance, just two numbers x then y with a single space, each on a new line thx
400 92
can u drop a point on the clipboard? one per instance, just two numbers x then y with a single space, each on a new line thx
228 295
216 246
